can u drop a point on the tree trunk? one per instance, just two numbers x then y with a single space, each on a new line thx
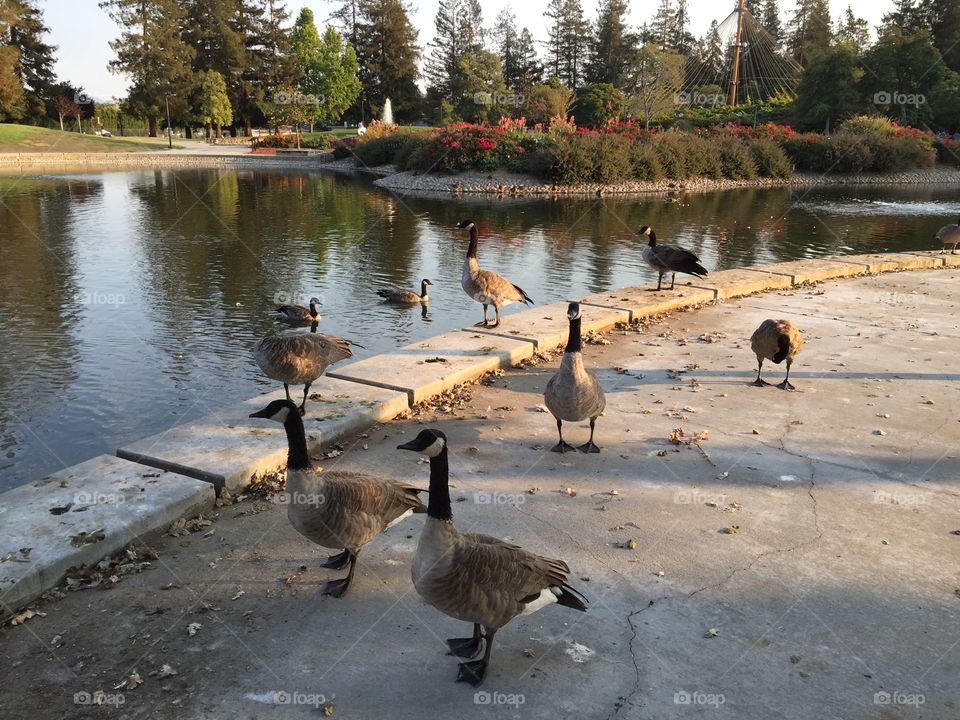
152 126
188 131
61 123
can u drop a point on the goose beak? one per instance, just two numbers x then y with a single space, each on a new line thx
412 445
260 414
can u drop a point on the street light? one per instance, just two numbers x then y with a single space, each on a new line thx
166 100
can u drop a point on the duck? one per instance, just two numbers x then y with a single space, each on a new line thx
949 235
299 358
478 578
669 259
337 509
574 393
484 286
299 313
406 297
776 340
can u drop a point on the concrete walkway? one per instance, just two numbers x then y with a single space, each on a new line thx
801 561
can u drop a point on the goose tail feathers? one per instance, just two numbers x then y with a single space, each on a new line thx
571 598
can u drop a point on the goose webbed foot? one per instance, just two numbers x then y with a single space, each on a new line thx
562 447
759 383
485 323
338 561
336 588
786 385
589 447
464 647
472 672
496 324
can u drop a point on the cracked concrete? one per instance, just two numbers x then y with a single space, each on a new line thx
799 562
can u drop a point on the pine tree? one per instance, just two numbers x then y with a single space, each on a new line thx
13 103
753 7
612 46
711 58
215 110
506 42
459 30
945 27
663 25
809 29
910 16
387 54
852 30
275 67
348 16
567 41
35 57
771 20
529 67
681 40
152 52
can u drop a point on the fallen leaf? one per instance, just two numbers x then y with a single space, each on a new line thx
711 633
192 628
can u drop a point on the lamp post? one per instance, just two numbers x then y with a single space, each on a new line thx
166 100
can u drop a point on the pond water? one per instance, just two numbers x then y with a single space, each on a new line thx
131 300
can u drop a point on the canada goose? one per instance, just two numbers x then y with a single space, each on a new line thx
574 393
299 313
406 297
484 286
298 358
336 509
949 235
668 259
477 578
776 340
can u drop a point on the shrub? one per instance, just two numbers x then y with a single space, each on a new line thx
319 142
671 154
771 160
644 164
412 142
736 161
344 148
703 157
598 103
948 150
276 141
842 153
462 146
894 153
380 150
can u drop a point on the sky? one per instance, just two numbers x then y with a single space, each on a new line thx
82 30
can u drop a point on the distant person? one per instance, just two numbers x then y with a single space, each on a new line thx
361 128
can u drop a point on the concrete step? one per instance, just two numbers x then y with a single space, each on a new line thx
229 449
888 262
643 301
122 500
429 367
546 326
742 281
816 270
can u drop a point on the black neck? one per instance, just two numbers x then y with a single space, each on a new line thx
297 457
439 504
573 338
472 250
423 288
653 239
313 310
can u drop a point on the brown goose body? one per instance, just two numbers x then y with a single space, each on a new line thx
406 297
478 578
949 235
484 286
777 341
299 358
299 313
669 259
336 509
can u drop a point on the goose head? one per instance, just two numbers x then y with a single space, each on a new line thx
648 231
573 311
314 301
429 442
425 282
465 225
278 411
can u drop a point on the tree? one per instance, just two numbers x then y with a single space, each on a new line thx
387 54
612 45
275 64
809 29
547 100
336 85
770 19
34 57
506 43
65 107
828 91
655 78
459 30
215 107
13 102
681 40
289 106
852 30
567 41
480 91
529 68
908 17
712 57
663 25
945 27
598 103
151 51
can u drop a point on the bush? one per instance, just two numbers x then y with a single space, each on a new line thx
462 146
771 160
412 143
842 153
736 160
672 154
948 150
320 142
895 153
344 148
644 164
276 141
381 150
598 103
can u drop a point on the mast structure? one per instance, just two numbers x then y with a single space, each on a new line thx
738 44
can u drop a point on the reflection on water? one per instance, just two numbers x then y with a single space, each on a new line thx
131 300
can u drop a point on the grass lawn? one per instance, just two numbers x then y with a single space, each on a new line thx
27 138
341 132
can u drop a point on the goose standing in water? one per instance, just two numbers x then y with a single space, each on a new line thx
668 259
574 393
478 578
299 313
336 509
297 358
406 297
484 286
776 340
949 235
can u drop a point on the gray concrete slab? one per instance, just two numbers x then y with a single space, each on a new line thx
108 501
816 270
229 449
546 326
644 301
743 281
887 262
426 368
794 564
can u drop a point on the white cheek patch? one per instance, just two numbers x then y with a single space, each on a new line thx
434 449
281 415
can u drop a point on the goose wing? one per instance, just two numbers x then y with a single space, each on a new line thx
294 311
361 506
299 357
498 288
399 296
677 259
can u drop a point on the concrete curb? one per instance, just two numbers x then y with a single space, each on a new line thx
227 449
83 514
